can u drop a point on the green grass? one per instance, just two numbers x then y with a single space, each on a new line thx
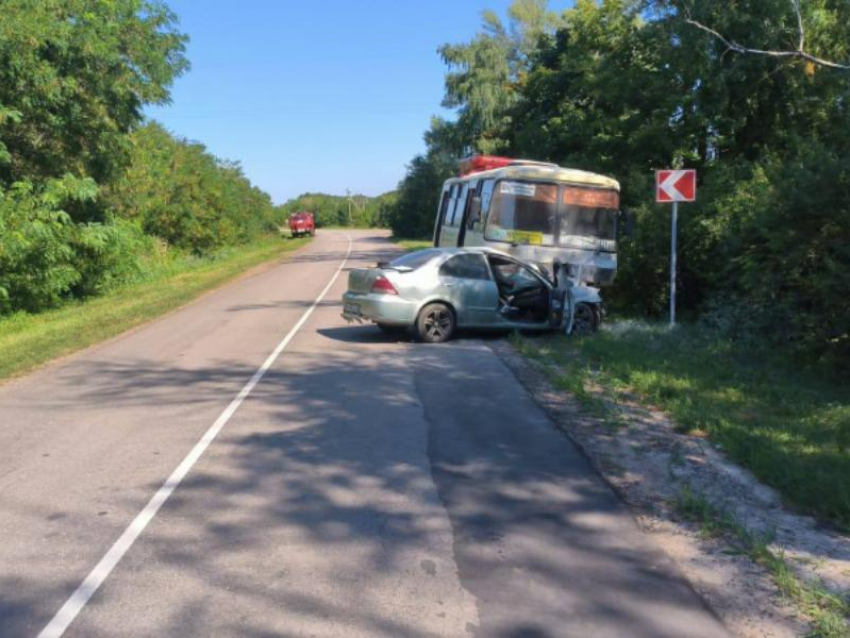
828 612
789 426
409 245
27 341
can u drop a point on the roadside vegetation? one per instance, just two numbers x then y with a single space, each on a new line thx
790 426
106 219
829 612
623 87
339 211
409 245
28 340
90 193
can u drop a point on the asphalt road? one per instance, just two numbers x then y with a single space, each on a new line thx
367 486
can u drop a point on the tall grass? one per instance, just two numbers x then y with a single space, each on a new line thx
788 425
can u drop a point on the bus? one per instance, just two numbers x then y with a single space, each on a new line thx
538 212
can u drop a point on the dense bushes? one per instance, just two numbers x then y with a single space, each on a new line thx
412 214
45 256
785 251
177 191
625 87
87 197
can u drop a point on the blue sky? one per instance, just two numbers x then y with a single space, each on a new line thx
316 96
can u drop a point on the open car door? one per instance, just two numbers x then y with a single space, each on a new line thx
557 308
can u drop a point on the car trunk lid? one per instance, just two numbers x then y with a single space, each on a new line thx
360 280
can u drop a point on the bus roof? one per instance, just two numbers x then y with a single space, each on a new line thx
543 173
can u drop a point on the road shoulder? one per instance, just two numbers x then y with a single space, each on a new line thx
638 469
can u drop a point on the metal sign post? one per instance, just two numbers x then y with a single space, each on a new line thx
674 186
673 233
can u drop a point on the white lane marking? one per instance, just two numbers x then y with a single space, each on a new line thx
66 615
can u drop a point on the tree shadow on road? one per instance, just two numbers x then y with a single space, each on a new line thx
395 494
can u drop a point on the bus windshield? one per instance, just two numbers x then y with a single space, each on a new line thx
587 213
524 213
529 213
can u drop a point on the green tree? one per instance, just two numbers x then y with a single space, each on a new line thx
624 90
624 87
74 76
83 185
414 211
484 73
179 192
482 84
333 210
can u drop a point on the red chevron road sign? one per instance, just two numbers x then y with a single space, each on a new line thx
675 186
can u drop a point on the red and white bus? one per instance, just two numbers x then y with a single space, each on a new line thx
539 212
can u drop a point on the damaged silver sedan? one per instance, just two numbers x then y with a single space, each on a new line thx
435 292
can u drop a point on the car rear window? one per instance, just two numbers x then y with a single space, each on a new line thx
414 260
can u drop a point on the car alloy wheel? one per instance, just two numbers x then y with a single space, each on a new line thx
584 320
436 323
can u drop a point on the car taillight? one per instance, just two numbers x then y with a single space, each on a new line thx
382 286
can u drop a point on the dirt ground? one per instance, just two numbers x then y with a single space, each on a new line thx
649 464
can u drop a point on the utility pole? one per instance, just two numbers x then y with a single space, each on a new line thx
348 194
352 201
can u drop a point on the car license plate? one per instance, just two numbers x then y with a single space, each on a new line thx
351 308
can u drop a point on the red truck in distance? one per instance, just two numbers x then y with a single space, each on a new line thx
302 224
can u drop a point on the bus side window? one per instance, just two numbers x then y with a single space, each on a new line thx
460 204
474 214
448 208
466 200
485 194
444 204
